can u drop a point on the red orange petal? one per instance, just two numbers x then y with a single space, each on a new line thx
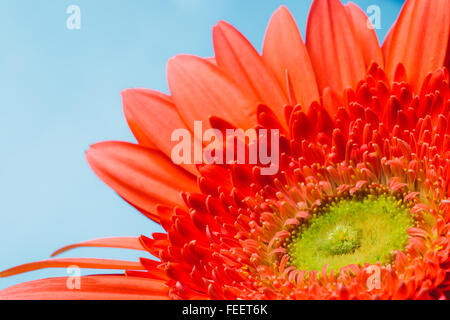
334 50
200 90
284 51
88 263
152 116
142 176
102 287
365 35
242 63
419 39
120 242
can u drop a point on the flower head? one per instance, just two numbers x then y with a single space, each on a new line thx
359 207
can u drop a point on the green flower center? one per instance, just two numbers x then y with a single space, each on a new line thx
351 231
341 240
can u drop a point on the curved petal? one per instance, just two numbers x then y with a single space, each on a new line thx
142 176
283 51
121 242
419 39
235 54
386 47
100 287
365 35
152 117
87 263
200 90
335 53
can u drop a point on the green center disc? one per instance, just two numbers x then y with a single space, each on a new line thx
352 231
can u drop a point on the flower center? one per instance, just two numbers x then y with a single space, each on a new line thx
356 230
341 240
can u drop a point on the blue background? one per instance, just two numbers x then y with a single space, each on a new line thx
60 92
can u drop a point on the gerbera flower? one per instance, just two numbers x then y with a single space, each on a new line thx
359 208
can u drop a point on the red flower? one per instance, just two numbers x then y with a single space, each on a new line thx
359 208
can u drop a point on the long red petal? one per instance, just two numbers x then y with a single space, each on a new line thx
200 90
365 35
142 176
335 53
87 263
241 61
120 242
419 39
284 51
152 117
102 287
